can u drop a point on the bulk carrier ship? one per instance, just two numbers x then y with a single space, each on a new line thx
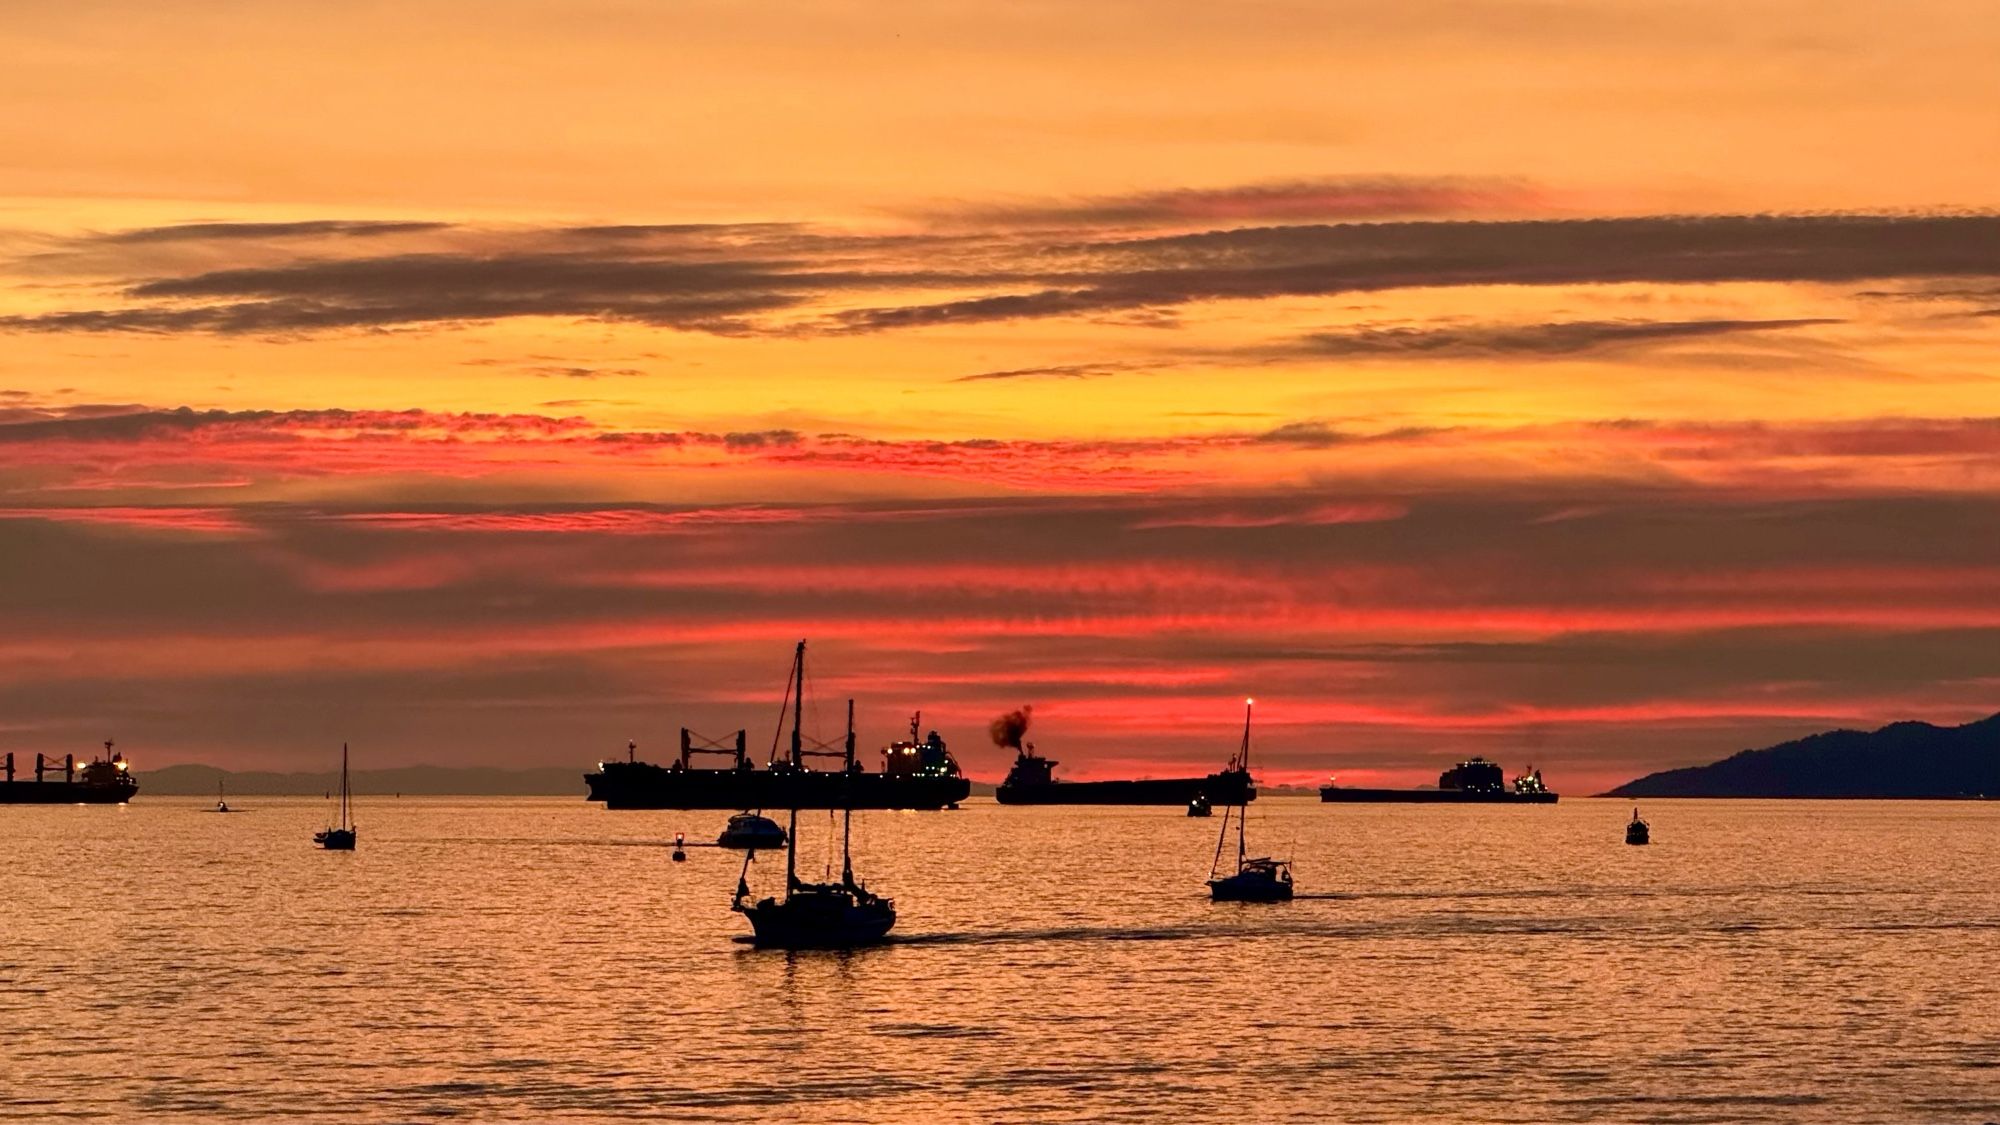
1032 780
105 781
915 775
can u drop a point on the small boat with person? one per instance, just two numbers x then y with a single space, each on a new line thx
1637 831
340 837
751 830
826 915
1260 879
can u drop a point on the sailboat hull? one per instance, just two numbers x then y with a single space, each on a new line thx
819 921
1249 887
335 839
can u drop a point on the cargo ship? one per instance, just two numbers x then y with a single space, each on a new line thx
915 774
1473 781
105 781
1032 780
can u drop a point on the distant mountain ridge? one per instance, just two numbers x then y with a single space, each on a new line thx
1902 760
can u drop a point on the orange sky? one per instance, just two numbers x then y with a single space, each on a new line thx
1605 384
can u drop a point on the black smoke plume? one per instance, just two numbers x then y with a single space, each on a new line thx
1008 728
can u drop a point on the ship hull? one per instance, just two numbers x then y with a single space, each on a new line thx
627 786
1218 789
63 793
1238 888
1340 793
804 923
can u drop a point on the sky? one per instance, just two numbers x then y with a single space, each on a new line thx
1600 385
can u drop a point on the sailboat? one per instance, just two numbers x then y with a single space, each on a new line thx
340 838
221 802
827 915
1256 880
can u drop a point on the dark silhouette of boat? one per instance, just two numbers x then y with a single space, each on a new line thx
1637 831
221 802
915 775
1473 781
1262 879
1199 806
1032 779
827 915
104 781
751 830
340 838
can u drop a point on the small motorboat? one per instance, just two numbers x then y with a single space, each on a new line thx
1199 806
1638 831
749 830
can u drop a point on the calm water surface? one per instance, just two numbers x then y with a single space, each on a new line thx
528 960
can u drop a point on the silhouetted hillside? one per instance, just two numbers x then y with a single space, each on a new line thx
1901 760
199 781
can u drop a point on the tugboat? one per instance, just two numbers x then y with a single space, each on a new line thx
752 831
1199 806
1256 880
105 781
1638 831
828 915
1032 779
340 838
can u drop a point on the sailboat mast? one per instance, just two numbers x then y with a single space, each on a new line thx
798 717
792 851
1243 761
343 785
847 805
798 703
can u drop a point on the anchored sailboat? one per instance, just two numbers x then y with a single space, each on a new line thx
1256 880
341 837
827 915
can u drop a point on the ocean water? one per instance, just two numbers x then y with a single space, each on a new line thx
542 959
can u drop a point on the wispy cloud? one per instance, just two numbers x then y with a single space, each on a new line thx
1553 340
1059 371
1329 198
738 279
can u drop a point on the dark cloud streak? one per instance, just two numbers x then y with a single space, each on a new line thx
1562 338
733 281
